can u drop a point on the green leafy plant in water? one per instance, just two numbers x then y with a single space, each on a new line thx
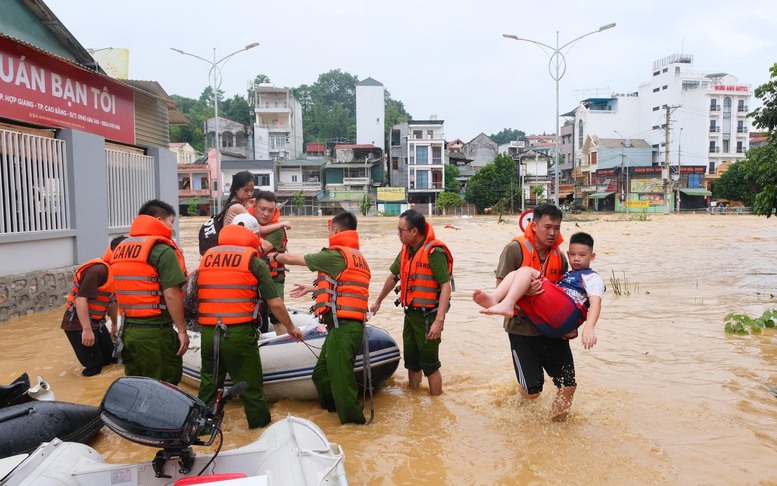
744 324
194 205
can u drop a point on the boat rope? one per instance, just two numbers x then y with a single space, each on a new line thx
367 374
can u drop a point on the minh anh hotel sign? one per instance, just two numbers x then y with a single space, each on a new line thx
44 90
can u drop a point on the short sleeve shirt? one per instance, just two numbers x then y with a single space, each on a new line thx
92 278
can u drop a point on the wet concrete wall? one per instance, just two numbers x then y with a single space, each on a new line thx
24 294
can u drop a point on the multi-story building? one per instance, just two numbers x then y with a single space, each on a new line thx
418 159
234 138
278 123
185 153
703 116
349 176
481 149
370 113
708 113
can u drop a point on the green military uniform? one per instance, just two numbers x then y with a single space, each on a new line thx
151 343
276 239
239 356
333 374
422 354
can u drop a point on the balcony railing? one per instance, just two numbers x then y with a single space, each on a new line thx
740 150
741 129
741 108
714 150
436 186
714 129
299 185
714 107
355 181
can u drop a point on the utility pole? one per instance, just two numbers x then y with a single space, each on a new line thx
667 185
512 198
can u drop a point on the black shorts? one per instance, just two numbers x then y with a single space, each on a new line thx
532 354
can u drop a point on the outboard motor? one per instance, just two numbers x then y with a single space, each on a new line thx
157 414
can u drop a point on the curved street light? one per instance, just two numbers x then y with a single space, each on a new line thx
557 67
214 77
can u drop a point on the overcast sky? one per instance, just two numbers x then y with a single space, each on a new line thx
441 57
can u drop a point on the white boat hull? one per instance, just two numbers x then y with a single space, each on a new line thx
287 366
292 451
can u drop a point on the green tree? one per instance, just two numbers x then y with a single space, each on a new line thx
237 109
495 181
261 78
451 184
395 112
447 200
196 112
298 202
765 117
366 204
508 135
761 162
737 184
538 190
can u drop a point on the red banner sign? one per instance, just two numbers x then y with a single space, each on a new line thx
44 90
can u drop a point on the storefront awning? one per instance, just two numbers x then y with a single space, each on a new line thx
696 192
600 195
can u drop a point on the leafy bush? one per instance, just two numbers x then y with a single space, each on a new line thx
744 324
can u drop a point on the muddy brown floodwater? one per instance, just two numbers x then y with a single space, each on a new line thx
665 397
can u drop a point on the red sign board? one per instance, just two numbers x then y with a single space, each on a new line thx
44 90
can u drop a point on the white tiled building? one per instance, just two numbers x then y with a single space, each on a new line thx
708 115
708 126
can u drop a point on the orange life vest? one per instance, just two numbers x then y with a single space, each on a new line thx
137 281
226 288
98 307
276 268
347 293
419 289
553 266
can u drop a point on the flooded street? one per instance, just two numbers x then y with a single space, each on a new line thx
665 397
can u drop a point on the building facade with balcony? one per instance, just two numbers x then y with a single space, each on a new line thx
707 122
184 153
350 174
234 138
278 123
417 160
708 113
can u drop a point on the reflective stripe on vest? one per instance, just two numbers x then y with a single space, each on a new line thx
227 290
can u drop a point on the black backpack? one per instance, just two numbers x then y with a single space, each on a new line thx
209 231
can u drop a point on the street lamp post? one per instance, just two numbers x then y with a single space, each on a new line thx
214 77
557 67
